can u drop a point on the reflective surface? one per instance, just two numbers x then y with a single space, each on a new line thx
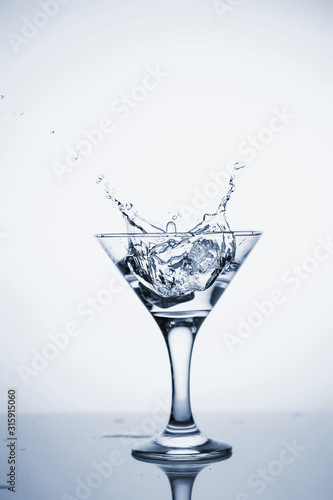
66 457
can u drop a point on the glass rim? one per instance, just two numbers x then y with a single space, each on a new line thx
163 235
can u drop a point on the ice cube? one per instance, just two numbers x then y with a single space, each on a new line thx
181 266
205 255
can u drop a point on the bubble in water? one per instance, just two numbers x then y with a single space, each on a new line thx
99 179
171 227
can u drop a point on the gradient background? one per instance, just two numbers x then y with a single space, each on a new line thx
227 74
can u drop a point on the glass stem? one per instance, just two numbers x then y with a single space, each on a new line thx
182 480
181 488
179 336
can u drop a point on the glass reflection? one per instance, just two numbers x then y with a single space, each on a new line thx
181 475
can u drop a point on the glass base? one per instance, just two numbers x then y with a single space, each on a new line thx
181 449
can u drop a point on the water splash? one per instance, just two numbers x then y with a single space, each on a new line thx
218 221
223 205
178 264
171 227
210 222
134 222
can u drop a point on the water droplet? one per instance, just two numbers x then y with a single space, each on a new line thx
238 165
52 131
99 179
128 206
2 96
21 113
76 156
174 217
171 227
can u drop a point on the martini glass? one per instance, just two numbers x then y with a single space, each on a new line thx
179 318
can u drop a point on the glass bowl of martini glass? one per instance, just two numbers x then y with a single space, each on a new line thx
179 278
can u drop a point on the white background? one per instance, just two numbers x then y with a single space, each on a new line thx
227 73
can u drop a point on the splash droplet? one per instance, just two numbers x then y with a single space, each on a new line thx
21 113
174 217
117 204
52 131
2 96
99 179
76 156
238 165
171 227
